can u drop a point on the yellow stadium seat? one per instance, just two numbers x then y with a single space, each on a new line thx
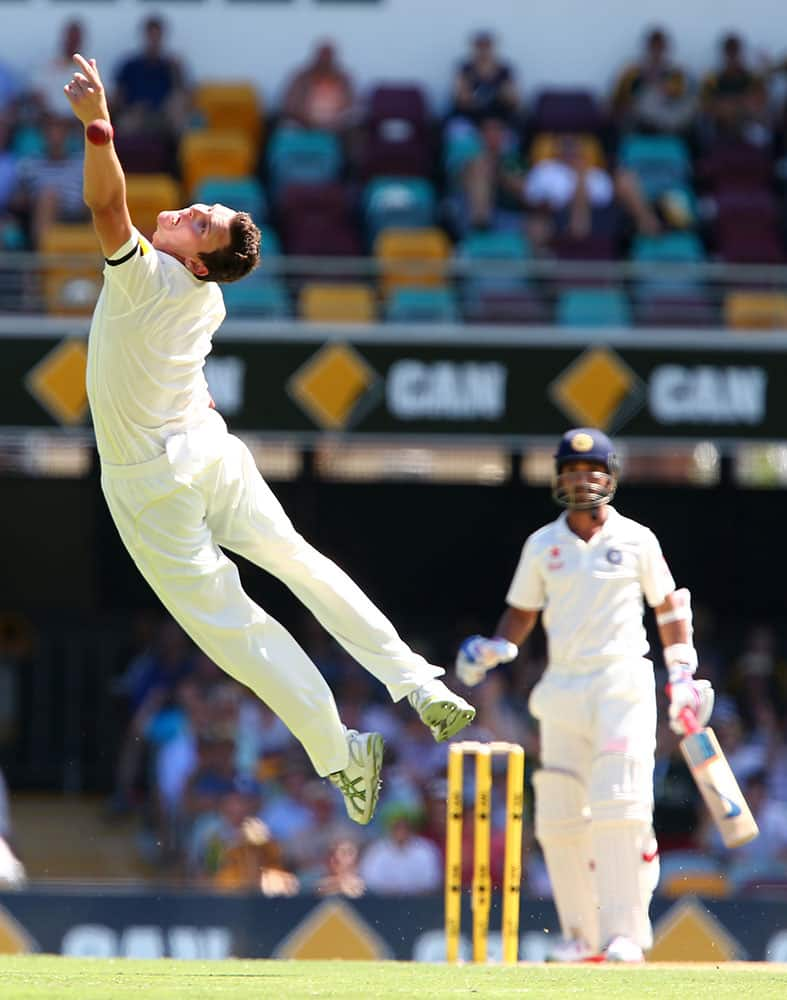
402 252
230 104
71 288
149 194
545 147
346 303
746 310
215 153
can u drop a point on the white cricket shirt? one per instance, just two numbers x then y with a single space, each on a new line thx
591 593
151 332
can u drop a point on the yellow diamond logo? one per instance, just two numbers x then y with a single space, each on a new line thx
333 930
333 385
689 933
14 939
598 389
58 382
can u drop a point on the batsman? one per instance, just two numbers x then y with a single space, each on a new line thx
587 573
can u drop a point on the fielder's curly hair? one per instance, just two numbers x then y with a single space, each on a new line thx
239 257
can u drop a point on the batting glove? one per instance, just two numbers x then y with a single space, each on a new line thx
695 695
478 654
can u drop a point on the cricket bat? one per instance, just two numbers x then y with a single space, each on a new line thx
716 783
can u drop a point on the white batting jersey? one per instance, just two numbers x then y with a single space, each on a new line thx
151 332
591 593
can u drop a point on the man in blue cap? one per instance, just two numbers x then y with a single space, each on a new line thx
588 572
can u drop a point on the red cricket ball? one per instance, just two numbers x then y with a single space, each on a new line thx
99 132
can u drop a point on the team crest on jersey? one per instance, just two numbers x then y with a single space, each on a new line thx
581 442
615 556
555 562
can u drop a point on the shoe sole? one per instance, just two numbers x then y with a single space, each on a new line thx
445 719
375 747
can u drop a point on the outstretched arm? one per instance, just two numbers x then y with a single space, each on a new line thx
104 186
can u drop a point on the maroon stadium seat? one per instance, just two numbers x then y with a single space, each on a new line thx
566 111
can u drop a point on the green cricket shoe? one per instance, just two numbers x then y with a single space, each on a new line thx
360 782
444 712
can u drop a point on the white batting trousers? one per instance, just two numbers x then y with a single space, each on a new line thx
178 511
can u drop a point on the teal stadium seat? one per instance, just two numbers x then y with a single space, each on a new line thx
397 202
413 305
661 162
244 194
669 248
303 156
593 307
258 295
504 246
261 294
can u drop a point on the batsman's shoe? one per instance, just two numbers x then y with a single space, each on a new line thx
623 949
571 950
444 712
359 782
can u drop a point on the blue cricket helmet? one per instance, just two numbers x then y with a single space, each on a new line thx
587 490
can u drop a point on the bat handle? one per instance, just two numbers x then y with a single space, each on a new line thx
689 720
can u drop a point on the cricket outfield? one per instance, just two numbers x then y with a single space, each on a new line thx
39 977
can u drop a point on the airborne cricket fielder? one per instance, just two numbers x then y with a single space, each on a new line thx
588 572
181 489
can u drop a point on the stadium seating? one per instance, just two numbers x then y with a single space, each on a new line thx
747 310
747 227
505 249
592 307
396 133
244 194
400 252
316 221
302 156
149 194
403 202
209 153
661 162
545 147
230 105
413 305
259 295
336 303
72 287
566 111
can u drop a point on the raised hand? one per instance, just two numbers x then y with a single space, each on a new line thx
85 92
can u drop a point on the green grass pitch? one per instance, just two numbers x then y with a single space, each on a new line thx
44 976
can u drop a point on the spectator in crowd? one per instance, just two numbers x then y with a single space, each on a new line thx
573 198
342 877
49 79
50 186
233 849
653 94
676 802
484 86
11 236
149 684
308 849
320 95
491 180
745 754
735 98
287 811
765 858
12 871
151 92
402 862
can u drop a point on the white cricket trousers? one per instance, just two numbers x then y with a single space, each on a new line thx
176 512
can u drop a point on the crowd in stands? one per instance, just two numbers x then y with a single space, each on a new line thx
664 169
228 799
